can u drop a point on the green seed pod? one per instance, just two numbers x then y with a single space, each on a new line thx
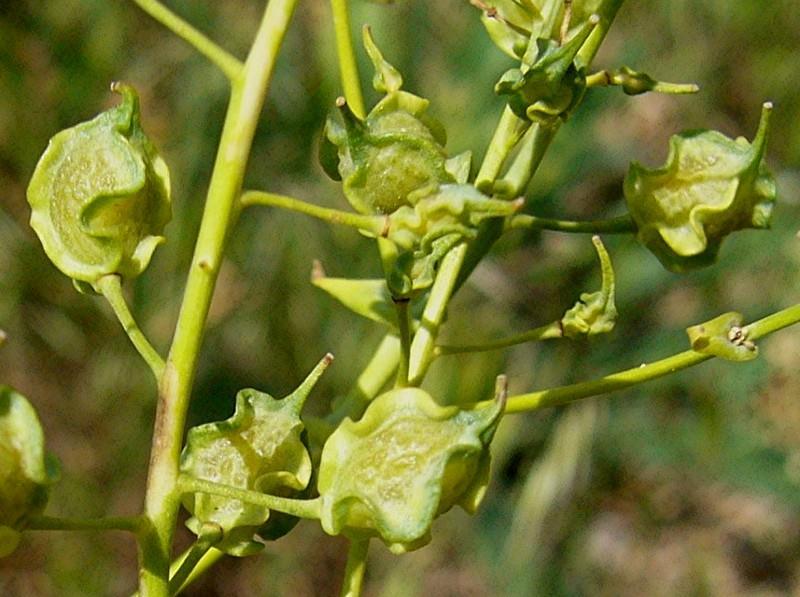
404 463
710 186
100 195
259 448
723 337
553 86
392 157
25 471
595 312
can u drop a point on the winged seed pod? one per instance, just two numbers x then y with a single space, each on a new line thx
395 155
259 448
100 195
405 462
25 471
710 186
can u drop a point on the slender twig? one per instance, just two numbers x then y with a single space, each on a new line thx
111 288
644 372
545 332
299 508
227 63
348 67
620 225
375 225
510 129
355 568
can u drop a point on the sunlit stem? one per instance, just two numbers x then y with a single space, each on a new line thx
244 110
131 524
375 225
376 374
644 372
210 534
348 66
441 291
404 329
607 11
545 332
111 288
299 508
621 225
228 64
208 559
510 129
356 566
531 151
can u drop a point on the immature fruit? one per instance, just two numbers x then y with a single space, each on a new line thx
100 195
553 86
404 463
25 471
710 186
395 155
259 448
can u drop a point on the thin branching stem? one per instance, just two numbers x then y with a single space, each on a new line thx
644 372
375 225
545 332
348 66
111 288
227 63
299 508
620 225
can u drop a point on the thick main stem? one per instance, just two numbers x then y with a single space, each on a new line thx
247 99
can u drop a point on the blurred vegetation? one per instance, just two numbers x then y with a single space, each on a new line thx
684 486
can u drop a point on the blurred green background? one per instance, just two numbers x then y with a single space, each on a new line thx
684 486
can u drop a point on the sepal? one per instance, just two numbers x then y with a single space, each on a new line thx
724 337
710 186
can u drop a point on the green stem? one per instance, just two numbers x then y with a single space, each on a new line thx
404 329
375 225
441 291
356 566
228 64
607 11
132 524
621 225
545 332
198 550
300 508
111 288
510 129
373 378
348 67
247 99
526 162
642 373
209 558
